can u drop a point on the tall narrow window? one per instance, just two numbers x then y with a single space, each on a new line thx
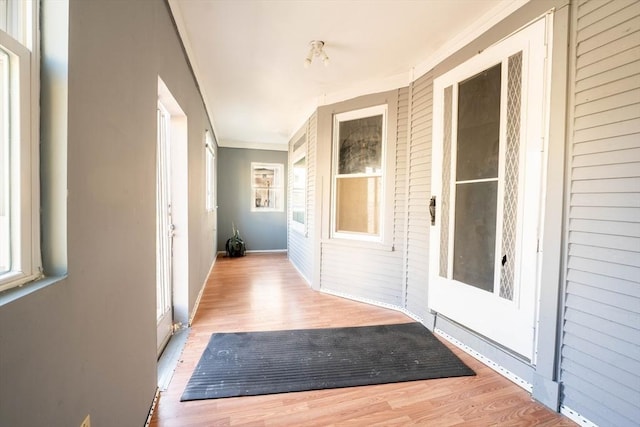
19 177
299 185
267 187
5 181
210 174
359 159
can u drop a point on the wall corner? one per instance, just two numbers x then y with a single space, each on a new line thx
546 391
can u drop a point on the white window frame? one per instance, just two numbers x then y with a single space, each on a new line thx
16 39
299 153
210 173
353 115
277 187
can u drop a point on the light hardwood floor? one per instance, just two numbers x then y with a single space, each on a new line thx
264 292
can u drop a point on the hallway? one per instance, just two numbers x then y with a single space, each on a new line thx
264 292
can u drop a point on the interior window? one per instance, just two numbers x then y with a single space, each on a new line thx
267 187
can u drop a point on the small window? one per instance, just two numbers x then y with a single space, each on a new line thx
267 187
210 174
299 185
358 180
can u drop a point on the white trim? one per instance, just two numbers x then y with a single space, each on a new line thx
576 417
258 251
199 297
306 279
479 27
154 403
372 302
273 146
490 363
191 59
470 351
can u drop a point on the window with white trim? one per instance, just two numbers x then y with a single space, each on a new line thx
359 146
267 187
19 173
210 174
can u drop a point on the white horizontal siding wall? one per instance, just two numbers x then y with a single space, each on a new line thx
419 190
300 245
373 273
600 362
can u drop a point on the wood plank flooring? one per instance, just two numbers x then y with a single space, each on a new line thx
264 292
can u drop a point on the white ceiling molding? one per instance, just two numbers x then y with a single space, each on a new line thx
184 36
265 95
255 145
484 23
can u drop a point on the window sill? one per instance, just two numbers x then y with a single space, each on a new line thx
13 294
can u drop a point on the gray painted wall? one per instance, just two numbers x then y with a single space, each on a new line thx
364 270
601 332
87 343
261 231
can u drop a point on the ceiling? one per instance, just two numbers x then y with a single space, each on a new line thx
248 55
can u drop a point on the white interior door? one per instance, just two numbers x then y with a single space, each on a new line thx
164 233
488 142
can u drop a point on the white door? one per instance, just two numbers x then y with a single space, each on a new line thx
488 141
164 233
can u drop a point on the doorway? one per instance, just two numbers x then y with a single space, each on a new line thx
171 217
164 232
487 171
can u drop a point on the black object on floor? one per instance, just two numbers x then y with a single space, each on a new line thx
253 363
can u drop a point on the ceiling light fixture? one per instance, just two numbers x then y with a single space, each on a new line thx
316 50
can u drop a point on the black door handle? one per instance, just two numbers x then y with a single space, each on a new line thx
432 210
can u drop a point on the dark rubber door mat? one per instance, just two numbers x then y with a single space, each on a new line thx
253 363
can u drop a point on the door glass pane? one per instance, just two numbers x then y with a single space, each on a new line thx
479 125
478 143
358 204
475 236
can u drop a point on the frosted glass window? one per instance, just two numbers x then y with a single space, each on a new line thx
360 146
